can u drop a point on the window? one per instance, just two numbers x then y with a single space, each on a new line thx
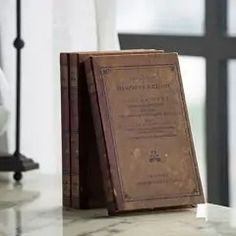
192 28
231 17
161 16
195 88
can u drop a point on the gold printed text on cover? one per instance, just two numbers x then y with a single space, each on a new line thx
149 132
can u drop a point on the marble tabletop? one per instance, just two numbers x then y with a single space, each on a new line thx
34 208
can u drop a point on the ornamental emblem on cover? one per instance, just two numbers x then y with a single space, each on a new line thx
155 156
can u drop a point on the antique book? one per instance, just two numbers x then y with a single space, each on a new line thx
73 95
91 187
74 128
65 129
143 132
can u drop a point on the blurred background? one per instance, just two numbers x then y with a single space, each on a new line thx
52 26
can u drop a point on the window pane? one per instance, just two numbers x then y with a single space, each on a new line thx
232 17
232 132
194 88
161 16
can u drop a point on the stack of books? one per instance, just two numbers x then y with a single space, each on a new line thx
126 137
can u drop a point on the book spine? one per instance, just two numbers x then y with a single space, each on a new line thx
100 139
74 130
84 127
91 187
65 130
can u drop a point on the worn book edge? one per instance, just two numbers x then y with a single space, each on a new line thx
110 200
65 130
74 129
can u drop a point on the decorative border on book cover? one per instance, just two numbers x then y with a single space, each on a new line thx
106 70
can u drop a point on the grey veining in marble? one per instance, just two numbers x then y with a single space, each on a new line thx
34 208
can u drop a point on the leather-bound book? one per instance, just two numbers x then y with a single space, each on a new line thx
91 187
143 132
82 182
65 130
74 128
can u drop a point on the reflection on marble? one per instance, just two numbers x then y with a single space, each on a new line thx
34 208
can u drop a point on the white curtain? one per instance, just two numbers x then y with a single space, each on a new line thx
232 136
48 28
4 110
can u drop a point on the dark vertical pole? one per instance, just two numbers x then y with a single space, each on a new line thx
216 18
17 162
217 132
18 75
18 44
216 107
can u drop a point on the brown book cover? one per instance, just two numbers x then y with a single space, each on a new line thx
91 187
74 128
143 132
65 130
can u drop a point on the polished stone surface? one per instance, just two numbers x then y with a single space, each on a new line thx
34 208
